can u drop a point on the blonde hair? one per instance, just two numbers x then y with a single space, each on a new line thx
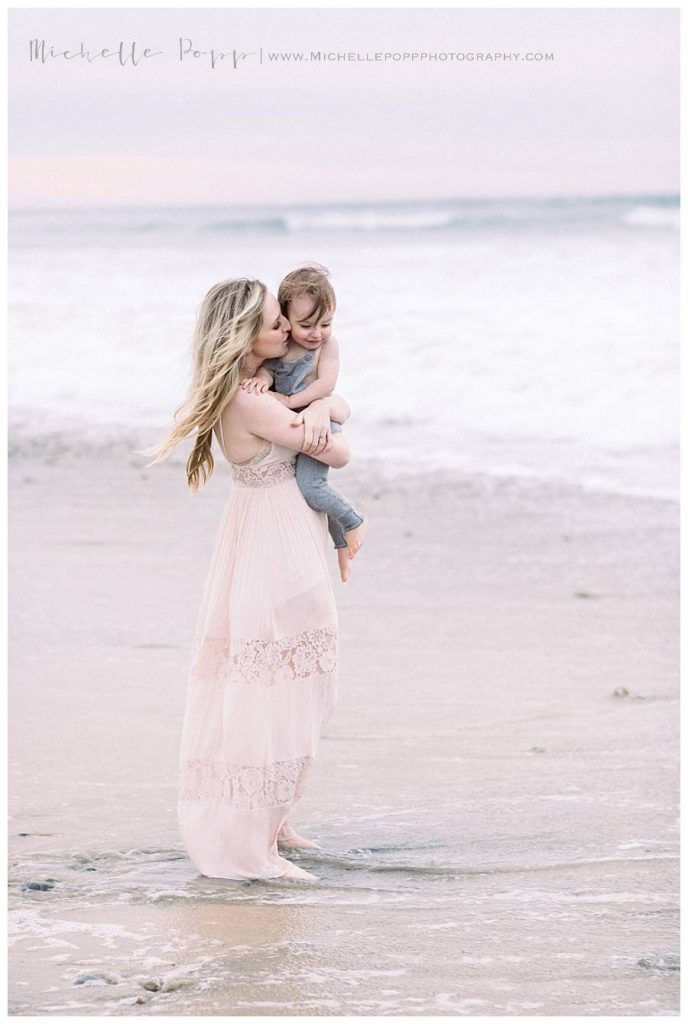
229 319
308 280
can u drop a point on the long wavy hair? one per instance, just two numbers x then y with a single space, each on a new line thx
229 319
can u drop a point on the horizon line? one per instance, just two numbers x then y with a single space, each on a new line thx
548 197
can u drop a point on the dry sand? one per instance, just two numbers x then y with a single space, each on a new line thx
500 828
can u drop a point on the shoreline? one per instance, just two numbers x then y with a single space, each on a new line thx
69 444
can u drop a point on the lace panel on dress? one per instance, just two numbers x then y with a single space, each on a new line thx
244 786
313 652
263 476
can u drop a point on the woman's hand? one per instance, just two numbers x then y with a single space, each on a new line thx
316 421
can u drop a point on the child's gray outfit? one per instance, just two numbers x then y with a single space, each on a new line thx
311 475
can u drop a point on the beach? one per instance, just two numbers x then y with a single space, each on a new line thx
496 795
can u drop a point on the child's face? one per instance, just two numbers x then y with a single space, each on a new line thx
306 330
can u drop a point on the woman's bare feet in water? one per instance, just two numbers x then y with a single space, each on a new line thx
344 559
354 538
288 837
294 871
299 843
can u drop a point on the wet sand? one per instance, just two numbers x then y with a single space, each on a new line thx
496 795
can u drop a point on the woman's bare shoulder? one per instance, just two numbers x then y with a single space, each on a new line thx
244 404
248 413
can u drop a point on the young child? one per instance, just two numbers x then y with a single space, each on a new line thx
307 371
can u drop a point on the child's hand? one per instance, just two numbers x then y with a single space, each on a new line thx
254 385
284 399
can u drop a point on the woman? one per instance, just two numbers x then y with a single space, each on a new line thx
263 679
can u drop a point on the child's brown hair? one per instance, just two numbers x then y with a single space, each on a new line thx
308 280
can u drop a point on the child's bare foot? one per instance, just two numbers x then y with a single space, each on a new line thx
344 559
354 538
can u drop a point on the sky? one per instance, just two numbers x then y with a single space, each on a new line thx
602 117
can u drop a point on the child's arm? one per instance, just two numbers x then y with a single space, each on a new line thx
328 370
261 382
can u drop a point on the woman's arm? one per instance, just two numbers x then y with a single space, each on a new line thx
266 418
316 419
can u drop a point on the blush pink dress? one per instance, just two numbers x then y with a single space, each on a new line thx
263 676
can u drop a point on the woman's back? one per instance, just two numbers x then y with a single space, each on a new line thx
237 443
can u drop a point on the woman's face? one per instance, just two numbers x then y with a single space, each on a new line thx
271 341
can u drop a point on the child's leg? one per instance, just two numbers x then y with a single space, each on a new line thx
311 476
336 533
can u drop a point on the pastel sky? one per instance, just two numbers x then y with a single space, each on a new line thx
602 117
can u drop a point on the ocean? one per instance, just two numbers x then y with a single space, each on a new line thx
531 338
